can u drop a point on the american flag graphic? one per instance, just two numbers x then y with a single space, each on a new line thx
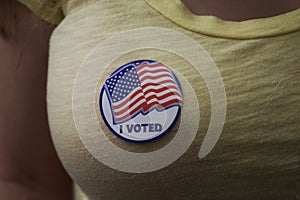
139 87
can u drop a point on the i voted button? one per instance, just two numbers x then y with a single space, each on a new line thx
141 101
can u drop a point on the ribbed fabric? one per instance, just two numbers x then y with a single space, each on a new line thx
176 11
53 11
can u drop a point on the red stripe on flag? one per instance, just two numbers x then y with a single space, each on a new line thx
142 72
127 99
162 97
148 65
149 77
136 110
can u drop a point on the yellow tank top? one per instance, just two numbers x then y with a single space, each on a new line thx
257 154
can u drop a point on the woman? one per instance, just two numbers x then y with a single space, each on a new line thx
255 46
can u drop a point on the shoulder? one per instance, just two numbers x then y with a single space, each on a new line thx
48 10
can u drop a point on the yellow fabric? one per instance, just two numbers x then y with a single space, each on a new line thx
54 11
257 156
69 6
49 10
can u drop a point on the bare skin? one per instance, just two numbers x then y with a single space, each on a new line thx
239 10
29 166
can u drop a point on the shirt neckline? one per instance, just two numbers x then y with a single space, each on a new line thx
177 12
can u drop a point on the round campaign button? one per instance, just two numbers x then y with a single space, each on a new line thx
141 101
